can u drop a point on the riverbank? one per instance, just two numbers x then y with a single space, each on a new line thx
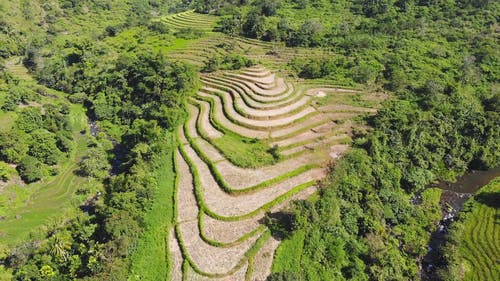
453 198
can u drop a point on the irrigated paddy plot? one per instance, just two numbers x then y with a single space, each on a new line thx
221 198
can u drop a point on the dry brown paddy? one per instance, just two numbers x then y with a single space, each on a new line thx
220 206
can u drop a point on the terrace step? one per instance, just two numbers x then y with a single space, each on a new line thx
251 100
346 108
175 256
208 258
264 125
250 89
204 122
227 205
316 143
251 109
263 261
287 120
274 88
220 119
310 135
229 231
211 259
192 275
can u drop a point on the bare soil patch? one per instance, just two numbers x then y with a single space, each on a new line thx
211 259
263 261
176 256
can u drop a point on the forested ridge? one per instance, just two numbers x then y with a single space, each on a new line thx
128 93
373 215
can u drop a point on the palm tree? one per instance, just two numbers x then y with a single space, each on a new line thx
59 245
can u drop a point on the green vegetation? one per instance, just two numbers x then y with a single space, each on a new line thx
288 255
135 95
228 62
472 246
364 216
153 243
41 135
26 209
96 202
43 143
244 153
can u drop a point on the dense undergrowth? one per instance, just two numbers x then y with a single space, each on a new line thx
136 97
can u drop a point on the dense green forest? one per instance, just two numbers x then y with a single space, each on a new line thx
109 63
127 91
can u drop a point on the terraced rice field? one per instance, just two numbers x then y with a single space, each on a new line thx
293 130
190 19
479 251
220 205
47 200
213 44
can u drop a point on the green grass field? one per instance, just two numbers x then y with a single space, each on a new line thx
151 260
37 203
288 254
477 235
26 208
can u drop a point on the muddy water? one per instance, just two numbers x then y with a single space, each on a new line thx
452 199
471 181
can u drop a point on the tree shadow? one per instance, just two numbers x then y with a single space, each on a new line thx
281 224
491 199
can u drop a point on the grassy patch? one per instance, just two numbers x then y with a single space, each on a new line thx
244 152
353 99
150 261
31 206
288 254
7 119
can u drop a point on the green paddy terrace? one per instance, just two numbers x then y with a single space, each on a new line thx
474 243
24 208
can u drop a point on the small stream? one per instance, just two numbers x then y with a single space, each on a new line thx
453 197
118 149
94 130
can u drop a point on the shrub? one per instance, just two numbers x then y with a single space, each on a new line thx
29 119
211 65
94 164
5 171
159 27
78 98
44 148
189 33
31 169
